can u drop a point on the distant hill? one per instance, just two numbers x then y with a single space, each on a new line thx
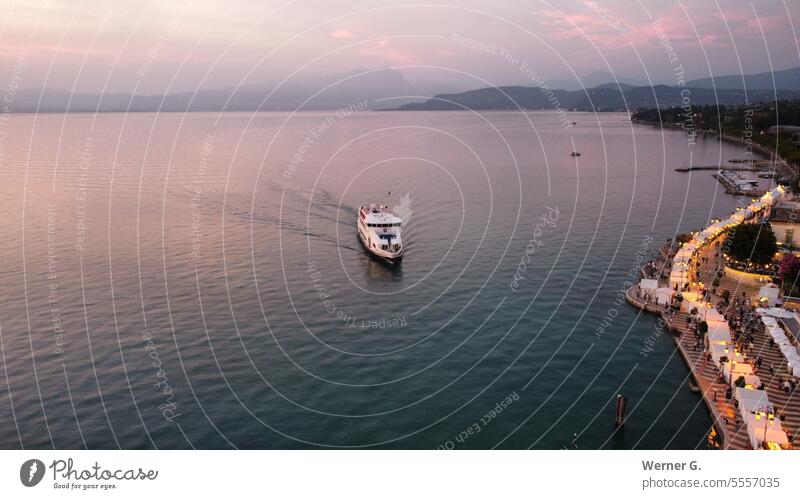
602 98
595 79
787 79
383 87
387 88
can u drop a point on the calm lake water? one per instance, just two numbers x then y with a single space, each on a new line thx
179 281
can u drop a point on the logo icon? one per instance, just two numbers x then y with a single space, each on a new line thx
31 472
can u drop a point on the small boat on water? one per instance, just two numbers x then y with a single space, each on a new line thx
380 232
574 154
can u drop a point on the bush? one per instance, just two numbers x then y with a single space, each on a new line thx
789 272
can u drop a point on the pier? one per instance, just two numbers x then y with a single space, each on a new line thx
687 169
731 187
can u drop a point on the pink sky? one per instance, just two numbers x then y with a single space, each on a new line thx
183 45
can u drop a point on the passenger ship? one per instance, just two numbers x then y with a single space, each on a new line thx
380 233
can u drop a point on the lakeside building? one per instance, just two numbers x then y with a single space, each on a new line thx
785 220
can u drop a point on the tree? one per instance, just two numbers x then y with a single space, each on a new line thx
795 185
789 273
753 243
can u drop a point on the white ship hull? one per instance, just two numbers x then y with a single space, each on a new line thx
380 233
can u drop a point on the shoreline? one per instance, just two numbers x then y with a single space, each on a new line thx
705 263
754 147
703 384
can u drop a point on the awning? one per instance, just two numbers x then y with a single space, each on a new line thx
732 370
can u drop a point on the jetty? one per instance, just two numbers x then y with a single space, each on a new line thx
687 169
736 185
727 177
679 287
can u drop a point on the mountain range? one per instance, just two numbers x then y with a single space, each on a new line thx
601 98
725 90
385 88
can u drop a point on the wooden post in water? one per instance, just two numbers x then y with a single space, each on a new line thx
622 403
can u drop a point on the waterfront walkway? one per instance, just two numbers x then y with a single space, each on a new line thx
725 414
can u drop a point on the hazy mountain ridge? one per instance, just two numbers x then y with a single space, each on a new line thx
370 86
594 99
786 79
385 88
725 90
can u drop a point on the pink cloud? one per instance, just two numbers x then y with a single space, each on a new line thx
616 28
608 31
342 34
767 23
380 49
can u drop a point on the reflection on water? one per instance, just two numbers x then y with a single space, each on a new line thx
376 270
274 328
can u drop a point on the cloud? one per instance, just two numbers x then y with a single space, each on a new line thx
381 49
617 28
601 28
342 34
